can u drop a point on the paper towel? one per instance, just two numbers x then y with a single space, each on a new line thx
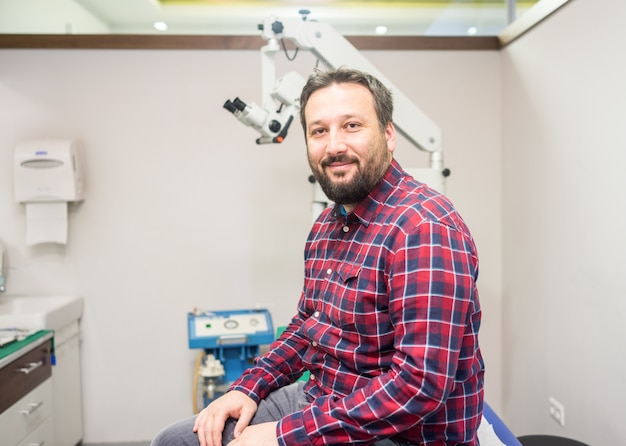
46 223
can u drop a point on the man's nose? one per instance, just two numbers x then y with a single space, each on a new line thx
336 143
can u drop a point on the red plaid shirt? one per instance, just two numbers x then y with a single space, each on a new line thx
387 324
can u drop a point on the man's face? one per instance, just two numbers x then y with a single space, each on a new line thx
347 151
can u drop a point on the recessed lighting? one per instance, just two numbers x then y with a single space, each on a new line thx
160 26
380 30
472 31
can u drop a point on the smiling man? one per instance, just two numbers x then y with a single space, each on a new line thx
387 322
348 153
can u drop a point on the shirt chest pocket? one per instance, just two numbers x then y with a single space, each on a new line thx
341 295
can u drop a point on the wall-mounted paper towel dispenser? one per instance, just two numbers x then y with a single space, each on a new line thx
48 170
47 175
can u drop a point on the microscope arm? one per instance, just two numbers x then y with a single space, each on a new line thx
335 50
281 97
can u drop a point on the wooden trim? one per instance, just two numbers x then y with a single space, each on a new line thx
424 43
196 42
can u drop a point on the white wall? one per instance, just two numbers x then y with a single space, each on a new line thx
184 210
564 161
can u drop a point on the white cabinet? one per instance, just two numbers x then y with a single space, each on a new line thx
58 316
29 421
27 403
22 420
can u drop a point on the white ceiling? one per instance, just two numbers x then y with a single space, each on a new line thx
237 17
242 19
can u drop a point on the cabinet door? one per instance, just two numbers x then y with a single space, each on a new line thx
66 380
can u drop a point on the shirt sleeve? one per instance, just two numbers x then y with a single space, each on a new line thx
279 367
431 277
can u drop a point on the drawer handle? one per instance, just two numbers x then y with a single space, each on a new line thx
31 367
31 408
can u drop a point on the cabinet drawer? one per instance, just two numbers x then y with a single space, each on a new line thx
24 374
27 414
42 436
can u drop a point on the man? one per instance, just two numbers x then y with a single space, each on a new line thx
387 323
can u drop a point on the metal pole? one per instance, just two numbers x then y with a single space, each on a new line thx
511 7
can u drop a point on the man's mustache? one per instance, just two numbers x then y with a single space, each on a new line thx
338 159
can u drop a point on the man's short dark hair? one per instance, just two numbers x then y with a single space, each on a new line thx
383 100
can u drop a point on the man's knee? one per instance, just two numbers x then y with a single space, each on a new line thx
177 434
168 437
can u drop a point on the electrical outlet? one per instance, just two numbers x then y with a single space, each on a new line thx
557 411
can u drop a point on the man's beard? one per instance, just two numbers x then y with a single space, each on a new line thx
365 178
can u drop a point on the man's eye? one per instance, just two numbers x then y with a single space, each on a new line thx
352 125
317 131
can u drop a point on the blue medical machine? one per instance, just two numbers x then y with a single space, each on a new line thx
230 341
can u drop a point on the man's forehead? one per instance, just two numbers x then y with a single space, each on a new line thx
345 99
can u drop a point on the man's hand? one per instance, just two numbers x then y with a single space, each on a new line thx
263 434
210 421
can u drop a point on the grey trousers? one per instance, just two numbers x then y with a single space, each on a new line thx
278 404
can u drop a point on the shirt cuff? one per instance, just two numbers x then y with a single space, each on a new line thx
291 430
256 387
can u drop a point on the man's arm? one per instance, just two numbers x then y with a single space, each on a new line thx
280 366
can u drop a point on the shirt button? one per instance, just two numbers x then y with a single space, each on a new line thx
314 344
329 271
345 228
312 377
316 314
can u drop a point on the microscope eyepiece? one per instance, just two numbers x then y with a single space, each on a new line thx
239 104
230 106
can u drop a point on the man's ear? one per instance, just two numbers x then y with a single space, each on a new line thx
390 136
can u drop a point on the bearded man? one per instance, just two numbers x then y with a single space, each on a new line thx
387 322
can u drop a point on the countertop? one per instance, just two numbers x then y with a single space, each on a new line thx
14 350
